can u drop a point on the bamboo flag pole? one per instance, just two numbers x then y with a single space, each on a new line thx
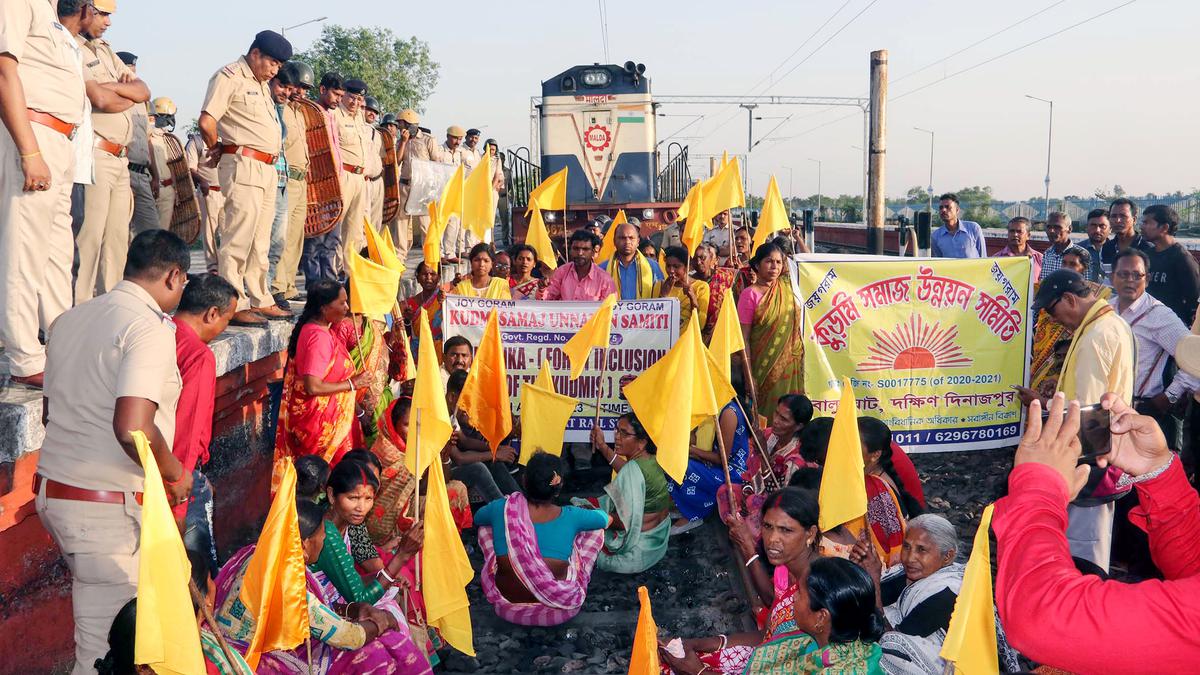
417 492
600 381
725 465
212 624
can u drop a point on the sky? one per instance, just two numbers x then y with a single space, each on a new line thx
1120 83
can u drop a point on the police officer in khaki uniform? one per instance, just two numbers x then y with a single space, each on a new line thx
242 133
110 371
40 64
374 173
108 201
208 194
145 213
353 138
452 148
295 150
410 230
472 153
163 119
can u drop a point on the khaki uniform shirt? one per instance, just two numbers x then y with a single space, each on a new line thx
243 108
139 145
158 154
421 146
351 130
470 158
102 65
47 58
118 344
375 149
295 146
197 160
451 156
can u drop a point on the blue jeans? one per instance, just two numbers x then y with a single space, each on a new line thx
197 524
319 259
278 231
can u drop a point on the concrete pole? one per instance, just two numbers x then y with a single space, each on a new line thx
878 147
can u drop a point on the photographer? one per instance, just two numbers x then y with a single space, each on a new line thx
1059 617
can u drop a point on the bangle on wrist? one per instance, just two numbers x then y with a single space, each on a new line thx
384 573
751 560
724 642
351 383
1127 479
614 458
28 155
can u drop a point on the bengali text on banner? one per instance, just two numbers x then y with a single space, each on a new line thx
533 331
931 346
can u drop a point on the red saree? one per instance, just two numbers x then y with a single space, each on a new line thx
316 425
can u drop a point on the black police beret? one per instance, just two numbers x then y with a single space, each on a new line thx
356 87
273 45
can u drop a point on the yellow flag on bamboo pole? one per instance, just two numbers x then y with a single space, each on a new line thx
843 494
538 237
373 287
431 249
274 589
644 658
166 637
727 338
380 248
445 568
693 227
774 216
595 333
484 396
428 419
450 203
544 417
545 378
608 245
724 191
690 379
971 639
479 200
551 193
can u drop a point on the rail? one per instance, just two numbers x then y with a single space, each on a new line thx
675 179
523 177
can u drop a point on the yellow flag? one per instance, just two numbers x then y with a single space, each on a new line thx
544 416
373 287
724 160
727 338
693 227
380 249
385 234
479 200
431 250
690 379
843 494
539 238
484 396
971 639
428 413
608 245
724 191
774 216
595 333
551 193
445 569
166 637
274 589
451 201
644 659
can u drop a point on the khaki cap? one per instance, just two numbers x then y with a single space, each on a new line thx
163 106
456 131
409 115
106 6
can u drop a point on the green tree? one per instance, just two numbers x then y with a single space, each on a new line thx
398 72
916 194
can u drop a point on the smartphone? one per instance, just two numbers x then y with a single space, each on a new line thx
1095 437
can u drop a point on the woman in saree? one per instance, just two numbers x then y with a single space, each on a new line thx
365 340
692 294
480 283
537 556
696 497
637 500
316 415
358 639
429 298
522 284
770 318
719 280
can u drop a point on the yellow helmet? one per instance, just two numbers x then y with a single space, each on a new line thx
409 115
163 106
106 6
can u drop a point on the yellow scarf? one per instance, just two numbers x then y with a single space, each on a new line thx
1067 380
645 275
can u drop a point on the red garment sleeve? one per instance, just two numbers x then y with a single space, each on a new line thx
314 351
1169 512
907 473
1061 618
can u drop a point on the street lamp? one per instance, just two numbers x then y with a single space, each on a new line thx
285 29
1049 143
791 192
931 137
818 184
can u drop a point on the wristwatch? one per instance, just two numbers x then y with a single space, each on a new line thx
1172 398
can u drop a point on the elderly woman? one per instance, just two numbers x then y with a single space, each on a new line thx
770 318
637 500
480 283
719 280
523 285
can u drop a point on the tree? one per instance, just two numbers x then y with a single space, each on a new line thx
916 194
400 73
1109 195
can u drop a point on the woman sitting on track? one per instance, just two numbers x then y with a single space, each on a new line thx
538 556
480 283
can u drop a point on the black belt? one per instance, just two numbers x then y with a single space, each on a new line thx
375 177
297 174
405 181
140 168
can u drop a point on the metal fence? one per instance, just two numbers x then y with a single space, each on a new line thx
999 212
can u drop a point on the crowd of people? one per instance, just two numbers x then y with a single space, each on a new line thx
131 355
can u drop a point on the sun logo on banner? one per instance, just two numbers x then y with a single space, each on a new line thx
915 346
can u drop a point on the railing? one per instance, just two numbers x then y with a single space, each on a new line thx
675 179
523 177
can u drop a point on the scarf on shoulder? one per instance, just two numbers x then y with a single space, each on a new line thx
645 275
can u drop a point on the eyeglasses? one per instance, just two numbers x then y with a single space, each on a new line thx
621 433
1130 276
1050 307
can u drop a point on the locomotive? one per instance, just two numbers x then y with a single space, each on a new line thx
598 122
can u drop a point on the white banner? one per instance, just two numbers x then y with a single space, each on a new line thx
425 185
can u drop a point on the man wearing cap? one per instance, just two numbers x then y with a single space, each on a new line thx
163 118
471 152
295 149
145 213
320 253
452 150
241 131
411 229
208 194
114 90
354 143
40 65
1100 359
374 163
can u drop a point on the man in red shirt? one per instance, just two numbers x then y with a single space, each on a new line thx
1081 623
208 304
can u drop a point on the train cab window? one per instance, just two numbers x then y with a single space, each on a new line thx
568 83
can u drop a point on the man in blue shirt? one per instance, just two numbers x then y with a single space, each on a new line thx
956 238
634 273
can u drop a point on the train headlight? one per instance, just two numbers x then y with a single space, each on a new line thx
551 216
596 78
647 214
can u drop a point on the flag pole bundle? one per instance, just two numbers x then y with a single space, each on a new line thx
970 643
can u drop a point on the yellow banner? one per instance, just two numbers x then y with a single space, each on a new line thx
931 346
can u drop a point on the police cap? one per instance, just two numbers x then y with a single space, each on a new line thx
389 118
472 132
272 44
456 131
410 116
128 58
356 87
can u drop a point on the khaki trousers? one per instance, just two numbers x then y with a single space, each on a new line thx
375 202
249 187
212 213
166 206
103 239
289 263
402 226
145 211
35 248
354 209
100 544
